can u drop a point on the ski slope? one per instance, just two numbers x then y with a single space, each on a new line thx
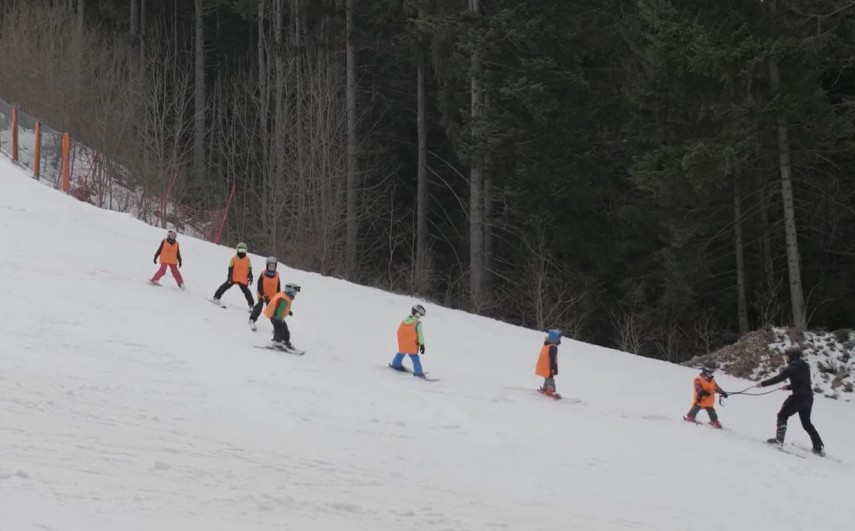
125 406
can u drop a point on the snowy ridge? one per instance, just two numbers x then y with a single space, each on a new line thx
129 407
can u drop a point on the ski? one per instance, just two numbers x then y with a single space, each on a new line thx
810 452
554 395
781 448
279 349
408 371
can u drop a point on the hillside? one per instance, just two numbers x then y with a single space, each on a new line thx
126 406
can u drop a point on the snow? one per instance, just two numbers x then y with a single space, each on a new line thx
132 407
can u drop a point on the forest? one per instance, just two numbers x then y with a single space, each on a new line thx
658 176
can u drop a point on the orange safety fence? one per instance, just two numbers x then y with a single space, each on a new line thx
55 159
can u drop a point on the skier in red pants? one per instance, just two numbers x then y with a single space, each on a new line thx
170 256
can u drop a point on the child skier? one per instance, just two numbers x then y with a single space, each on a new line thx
240 273
277 310
170 254
268 287
411 342
547 363
705 388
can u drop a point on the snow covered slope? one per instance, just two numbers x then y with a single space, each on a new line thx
129 407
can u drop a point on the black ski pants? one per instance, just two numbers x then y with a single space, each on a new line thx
256 310
710 411
243 287
801 404
281 334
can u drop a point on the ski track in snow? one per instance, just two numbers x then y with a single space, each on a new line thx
126 406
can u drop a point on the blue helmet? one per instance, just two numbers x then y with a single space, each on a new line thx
554 336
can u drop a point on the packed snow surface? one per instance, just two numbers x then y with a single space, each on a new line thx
125 406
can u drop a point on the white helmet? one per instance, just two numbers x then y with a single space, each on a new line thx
418 310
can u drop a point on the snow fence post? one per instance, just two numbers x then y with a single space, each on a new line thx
14 134
37 150
65 171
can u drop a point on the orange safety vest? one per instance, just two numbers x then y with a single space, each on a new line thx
408 338
269 286
542 369
240 269
169 252
271 306
709 387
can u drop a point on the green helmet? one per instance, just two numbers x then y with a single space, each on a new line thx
241 248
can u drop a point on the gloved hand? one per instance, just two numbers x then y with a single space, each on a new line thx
421 349
290 312
787 387
180 263
250 279
724 394
155 260
555 371
702 393
759 384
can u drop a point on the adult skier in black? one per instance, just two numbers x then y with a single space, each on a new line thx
801 401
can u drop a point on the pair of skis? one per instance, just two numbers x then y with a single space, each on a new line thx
408 371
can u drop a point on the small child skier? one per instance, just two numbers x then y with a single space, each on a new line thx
705 388
411 342
547 363
268 287
169 253
277 310
240 273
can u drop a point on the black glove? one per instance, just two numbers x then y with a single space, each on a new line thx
555 371
421 349
250 280
180 263
290 312
702 393
724 394
155 260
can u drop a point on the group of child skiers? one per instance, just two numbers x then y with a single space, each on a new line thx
411 341
269 290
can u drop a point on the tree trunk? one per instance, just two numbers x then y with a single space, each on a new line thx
422 281
790 230
134 32
350 52
296 16
199 100
476 187
765 238
741 301
81 10
142 34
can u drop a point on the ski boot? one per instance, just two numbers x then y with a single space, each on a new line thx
819 450
691 419
252 325
776 441
715 424
181 287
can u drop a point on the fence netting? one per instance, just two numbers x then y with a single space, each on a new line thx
101 181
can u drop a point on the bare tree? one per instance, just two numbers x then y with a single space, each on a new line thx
741 301
784 166
199 95
352 163
630 327
476 182
422 185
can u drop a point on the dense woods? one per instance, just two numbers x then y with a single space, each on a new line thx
654 175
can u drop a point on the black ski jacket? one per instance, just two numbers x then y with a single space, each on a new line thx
798 371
